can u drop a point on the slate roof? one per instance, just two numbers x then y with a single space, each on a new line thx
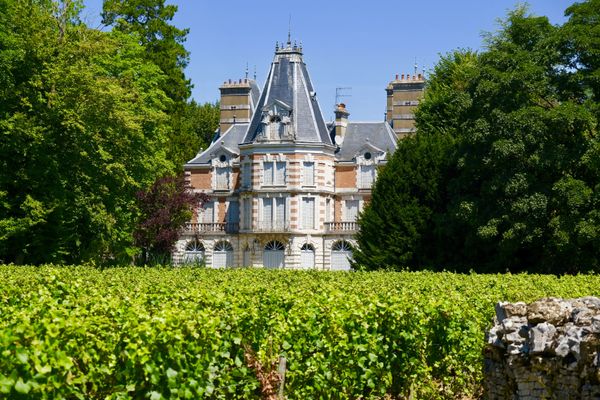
378 135
254 93
288 82
228 141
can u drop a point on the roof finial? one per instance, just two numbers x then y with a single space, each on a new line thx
246 69
289 42
416 66
255 72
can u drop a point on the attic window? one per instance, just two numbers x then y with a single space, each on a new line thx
367 156
275 118
222 158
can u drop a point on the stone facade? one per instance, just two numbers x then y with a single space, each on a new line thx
549 349
285 186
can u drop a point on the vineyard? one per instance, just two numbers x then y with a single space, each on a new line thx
134 333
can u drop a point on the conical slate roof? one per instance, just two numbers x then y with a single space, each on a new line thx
288 87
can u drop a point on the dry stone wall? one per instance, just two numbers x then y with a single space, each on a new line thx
549 349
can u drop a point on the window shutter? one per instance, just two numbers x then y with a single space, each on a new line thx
268 173
246 179
308 213
247 213
280 173
233 213
351 210
268 212
209 212
280 212
309 174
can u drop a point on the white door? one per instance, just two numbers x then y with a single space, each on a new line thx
341 254
307 257
273 255
222 255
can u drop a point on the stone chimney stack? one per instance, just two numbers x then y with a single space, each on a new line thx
341 122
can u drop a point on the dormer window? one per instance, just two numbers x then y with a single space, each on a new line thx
222 178
366 176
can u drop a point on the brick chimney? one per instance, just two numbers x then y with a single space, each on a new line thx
341 122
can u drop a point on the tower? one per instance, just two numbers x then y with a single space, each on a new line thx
238 100
403 96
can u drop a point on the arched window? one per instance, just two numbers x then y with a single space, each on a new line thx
194 252
273 255
341 254
223 255
307 256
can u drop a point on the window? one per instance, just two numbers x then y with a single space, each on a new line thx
308 213
280 173
233 216
247 213
367 176
309 173
274 173
341 254
246 177
222 178
208 212
273 255
351 209
307 256
268 174
194 253
274 213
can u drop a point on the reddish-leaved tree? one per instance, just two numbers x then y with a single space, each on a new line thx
164 209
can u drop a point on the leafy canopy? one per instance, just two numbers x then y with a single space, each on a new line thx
518 188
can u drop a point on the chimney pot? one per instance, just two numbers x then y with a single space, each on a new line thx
396 76
402 76
230 81
342 105
419 76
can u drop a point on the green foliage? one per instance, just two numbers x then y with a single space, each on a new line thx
130 333
402 210
195 125
519 184
83 128
163 42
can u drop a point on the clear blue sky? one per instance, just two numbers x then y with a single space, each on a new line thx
358 44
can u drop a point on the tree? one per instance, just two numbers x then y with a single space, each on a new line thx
149 20
83 128
523 184
408 197
165 208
